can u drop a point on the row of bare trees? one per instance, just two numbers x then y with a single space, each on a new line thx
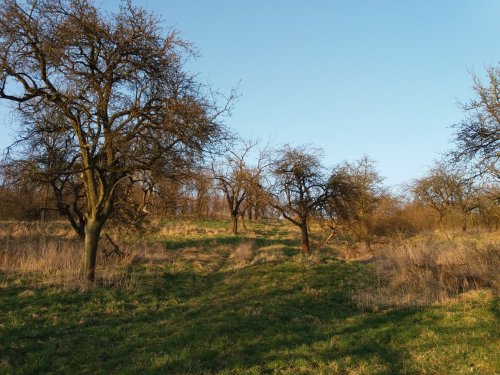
112 126
454 193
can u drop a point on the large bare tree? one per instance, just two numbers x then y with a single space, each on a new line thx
117 82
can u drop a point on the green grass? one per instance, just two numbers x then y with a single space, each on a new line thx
291 316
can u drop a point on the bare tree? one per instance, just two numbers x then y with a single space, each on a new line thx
50 160
203 186
237 179
20 194
444 191
478 136
366 183
339 210
300 186
257 201
127 103
487 199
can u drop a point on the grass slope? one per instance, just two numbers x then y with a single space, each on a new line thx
287 315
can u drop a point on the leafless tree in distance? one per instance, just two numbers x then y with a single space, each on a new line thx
300 186
237 178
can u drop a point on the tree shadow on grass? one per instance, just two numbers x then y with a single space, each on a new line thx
265 318
214 251
260 234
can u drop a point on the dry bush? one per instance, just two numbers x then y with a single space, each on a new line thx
390 217
427 270
350 250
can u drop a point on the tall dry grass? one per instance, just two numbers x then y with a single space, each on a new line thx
50 254
185 228
421 270
431 269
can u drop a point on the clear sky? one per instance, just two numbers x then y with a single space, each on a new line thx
354 77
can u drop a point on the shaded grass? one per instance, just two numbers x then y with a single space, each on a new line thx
286 318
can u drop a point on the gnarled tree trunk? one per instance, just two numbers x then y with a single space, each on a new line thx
93 229
234 223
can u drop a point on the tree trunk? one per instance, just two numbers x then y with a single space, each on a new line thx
250 211
305 237
45 204
234 223
93 229
243 221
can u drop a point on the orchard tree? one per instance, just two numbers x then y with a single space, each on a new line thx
478 136
117 83
49 159
20 198
445 190
300 186
256 204
237 179
487 198
203 185
339 210
367 190
436 190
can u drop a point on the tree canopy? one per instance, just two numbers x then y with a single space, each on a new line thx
111 87
478 136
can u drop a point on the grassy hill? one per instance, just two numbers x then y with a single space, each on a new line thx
190 299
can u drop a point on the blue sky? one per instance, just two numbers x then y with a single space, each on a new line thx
380 78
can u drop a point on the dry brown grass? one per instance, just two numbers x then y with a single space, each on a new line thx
53 261
422 270
187 228
242 255
432 269
50 254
